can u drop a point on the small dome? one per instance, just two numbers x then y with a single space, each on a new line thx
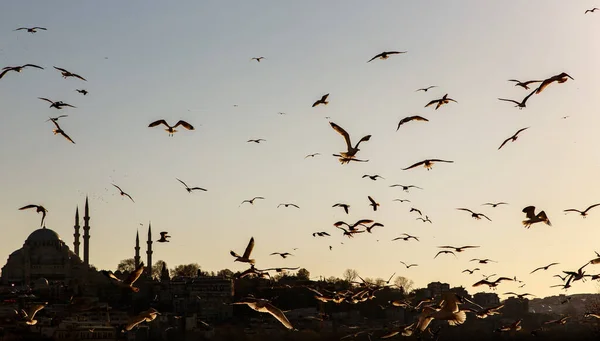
42 235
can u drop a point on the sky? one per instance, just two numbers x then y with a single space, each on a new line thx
192 61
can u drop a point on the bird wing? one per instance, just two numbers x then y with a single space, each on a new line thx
450 302
529 212
28 206
67 137
134 275
509 100
540 268
432 102
373 202
589 208
234 254
502 145
415 165
163 234
542 215
134 321
33 65
439 160
4 72
465 209
486 217
24 28
39 28
544 84
249 248
184 124
34 309
377 56
155 123
482 282
342 132
279 315
572 210
45 99
78 76
419 118
514 80
61 69
186 186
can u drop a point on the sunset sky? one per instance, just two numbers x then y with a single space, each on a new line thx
191 60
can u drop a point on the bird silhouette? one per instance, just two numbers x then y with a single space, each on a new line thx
543 267
533 218
258 59
560 78
522 104
123 193
187 188
344 206
34 29
441 101
169 129
163 237
426 163
7 69
427 88
57 104
251 201
373 203
67 74
246 257
323 101
59 130
475 215
38 209
385 55
512 138
582 213
351 151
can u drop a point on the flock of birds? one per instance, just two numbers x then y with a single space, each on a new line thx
450 308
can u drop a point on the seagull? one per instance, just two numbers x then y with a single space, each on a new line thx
163 237
412 209
251 201
427 88
521 104
145 316
582 213
282 254
588 314
246 257
344 206
494 204
519 296
411 118
187 188
401 200
408 265
458 249
257 140
470 271
493 284
57 104
426 220
34 29
54 119
66 74
82 91
449 311
426 163
483 261
169 129
475 215
441 101
532 218
321 234
512 138
543 267
131 278
351 151
560 78
443 252
5 70
323 101
405 188
257 58
560 321
524 85
353 227
264 306
486 312
312 155
27 316
38 209
373 203
373 177
385 55
59 130
123 193
286 205
406 238
591 10
515 326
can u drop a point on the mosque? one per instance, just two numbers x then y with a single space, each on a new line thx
45 258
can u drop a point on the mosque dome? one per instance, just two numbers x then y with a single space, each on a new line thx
42 236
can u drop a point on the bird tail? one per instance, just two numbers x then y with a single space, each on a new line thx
459 318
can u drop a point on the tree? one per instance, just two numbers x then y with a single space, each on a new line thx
350 275
303 274
379 281
126 265
404 283
186 270
225 273
157 269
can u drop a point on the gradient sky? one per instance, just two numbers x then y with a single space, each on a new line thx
191 61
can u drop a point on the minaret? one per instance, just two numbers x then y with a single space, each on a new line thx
76 234
149 251
86 233
137 249
164 273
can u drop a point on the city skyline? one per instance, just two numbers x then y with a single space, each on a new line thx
193 62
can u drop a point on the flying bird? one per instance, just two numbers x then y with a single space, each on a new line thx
458 249
512 138
282 254
351 151
482 261
57 104
470 271
373 203
373 177
494 204
129 280
406 238
444 252
187 188
521 104
169 129
406 188
28 316
519 296
258 59
385 55
251 201
344 206
426 220
287 205
411 118
7 69
582 213
524 85
475 215
412 209
59 130
264 306
163 237
408 265
493 284
353 226
123 193
441 101
591 10
34 29
427 88
56 118
533 218
321 234
144 316
543 267
257 140
323 101
246 257
560 78
449 311
82 91
66 74
38 209
401 200
312 155
426 163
